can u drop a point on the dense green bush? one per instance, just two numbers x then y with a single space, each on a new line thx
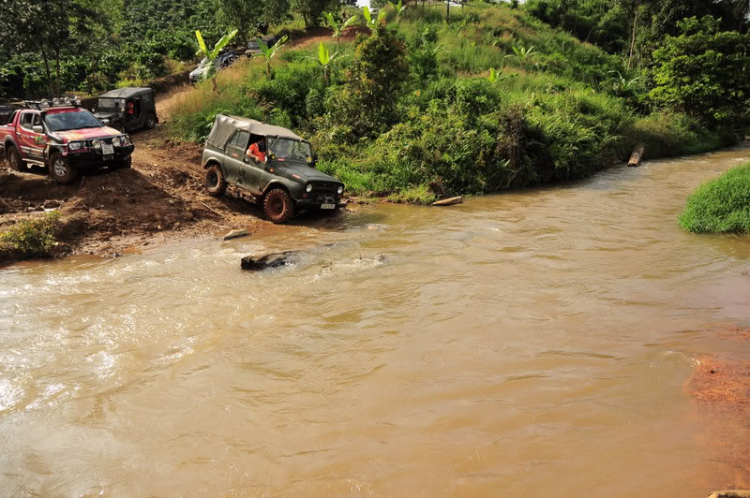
721 205
34 237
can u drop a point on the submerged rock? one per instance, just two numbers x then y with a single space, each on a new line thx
259 263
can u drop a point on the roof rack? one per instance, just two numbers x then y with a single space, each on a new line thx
56 102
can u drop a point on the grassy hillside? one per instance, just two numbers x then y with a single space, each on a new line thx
491 99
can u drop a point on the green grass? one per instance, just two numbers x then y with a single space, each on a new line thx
721 205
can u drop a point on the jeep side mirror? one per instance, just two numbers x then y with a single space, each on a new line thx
38 129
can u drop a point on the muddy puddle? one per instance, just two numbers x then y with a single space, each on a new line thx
537 343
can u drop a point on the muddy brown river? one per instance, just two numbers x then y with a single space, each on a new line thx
534 343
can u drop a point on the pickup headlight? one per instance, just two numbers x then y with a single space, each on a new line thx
75 145
97 144
124 140
116 141
308 188
340 190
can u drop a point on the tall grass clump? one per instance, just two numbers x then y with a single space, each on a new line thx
721 205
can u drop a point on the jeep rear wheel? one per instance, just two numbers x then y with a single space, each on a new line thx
216 184
61 170
278 205
119 127
150 120
14 159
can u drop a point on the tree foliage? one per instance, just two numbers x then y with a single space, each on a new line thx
703 72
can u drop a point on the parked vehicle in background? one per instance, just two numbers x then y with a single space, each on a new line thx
127 109
284 181
64 137
6 110
223 61
253 47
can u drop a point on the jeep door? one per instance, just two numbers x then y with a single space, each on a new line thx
234 154
31 142
252 170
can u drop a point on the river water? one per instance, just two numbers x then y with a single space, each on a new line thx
533 343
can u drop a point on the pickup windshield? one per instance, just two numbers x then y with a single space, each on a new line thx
74 120
286 148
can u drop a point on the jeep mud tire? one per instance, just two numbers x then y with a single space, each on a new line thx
119 127
216 184
278 206
150 121
15 163
61 170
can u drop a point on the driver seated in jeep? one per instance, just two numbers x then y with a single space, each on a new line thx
258 150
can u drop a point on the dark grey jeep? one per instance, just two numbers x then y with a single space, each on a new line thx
272 163
127 109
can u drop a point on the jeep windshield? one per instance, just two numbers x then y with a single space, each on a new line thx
73 120
109 103
294 150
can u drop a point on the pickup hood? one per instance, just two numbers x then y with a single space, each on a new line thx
198 71
86 134
303 171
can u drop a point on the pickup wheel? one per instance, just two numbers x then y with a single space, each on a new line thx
216 184
14 159
126 163
61 170
278 205
150 121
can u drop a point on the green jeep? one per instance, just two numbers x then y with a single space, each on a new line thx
272 163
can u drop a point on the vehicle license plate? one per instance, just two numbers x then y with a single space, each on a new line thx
328 206
108 150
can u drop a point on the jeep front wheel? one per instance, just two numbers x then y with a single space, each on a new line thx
216 184
61 170
278 205
14 159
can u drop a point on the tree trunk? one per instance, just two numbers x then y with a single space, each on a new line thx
448 10
637 156
635 27
57 71
47 73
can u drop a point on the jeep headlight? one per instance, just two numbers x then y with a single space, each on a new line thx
116 141
97 144
340 190
75 145
308 188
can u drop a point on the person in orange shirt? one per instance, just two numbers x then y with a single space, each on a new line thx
258 150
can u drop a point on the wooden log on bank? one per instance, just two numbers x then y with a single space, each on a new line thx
637 156
450 201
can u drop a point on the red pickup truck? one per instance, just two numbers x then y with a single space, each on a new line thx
65 138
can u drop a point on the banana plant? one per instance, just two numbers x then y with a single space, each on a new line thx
372 23
325 59
522 53
497 77
399 8
211 55
268 52
336 27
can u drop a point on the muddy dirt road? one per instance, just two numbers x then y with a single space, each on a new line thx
160 198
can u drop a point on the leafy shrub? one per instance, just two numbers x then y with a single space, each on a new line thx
35 237
368 102
721 205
